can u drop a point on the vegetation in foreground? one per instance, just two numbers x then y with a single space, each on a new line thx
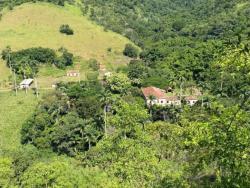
96 134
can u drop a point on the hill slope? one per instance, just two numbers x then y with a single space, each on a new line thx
37 24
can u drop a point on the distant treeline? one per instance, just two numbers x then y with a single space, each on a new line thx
181 40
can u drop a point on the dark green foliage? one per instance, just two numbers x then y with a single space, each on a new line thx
177 35
6 53
178 25
130 51
68 122
107 126
65 29
109 49
137 71
169 113
42 55
26 62
66 59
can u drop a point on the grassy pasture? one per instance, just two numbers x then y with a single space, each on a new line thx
37 24
4 75
14 110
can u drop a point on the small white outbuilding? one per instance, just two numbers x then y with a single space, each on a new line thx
26 83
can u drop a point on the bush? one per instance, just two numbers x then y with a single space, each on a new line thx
130 51
65 29
178 25
92 76
109 49
94 64
65 60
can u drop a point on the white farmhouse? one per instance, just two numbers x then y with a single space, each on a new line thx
156 96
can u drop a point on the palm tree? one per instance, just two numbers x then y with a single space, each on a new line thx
181 79
91 133
151 99
106 99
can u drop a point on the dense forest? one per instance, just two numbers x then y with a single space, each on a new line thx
100 133
179 38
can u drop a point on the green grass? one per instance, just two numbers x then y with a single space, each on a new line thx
37 24
4 75
14 110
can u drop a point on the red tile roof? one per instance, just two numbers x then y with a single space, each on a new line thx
157 93
153 91
189 98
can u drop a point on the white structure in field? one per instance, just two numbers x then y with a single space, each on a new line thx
25 84
73 73
156 96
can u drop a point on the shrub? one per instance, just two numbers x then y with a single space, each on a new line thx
65 29
94 64
92 76
109 49
178 25
65 60
130 51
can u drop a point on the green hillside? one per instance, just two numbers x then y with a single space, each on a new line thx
176 116
37 24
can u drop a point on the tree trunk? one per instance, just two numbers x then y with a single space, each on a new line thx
164 116
105 121
36 87
89 144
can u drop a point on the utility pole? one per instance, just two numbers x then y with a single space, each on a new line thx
15 82
105 121
36 86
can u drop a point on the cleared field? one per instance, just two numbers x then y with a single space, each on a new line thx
14 110
37 24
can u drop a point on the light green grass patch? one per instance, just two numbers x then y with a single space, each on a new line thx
37 24
14 110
